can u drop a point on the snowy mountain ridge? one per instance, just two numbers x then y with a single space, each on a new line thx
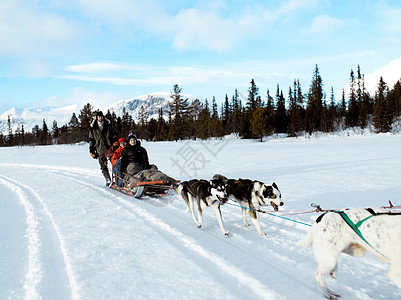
29 117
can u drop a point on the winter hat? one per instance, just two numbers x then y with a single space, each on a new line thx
121 140
99 114
131 135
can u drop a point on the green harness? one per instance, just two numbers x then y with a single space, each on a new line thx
356 226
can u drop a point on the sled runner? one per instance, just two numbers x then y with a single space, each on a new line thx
136 188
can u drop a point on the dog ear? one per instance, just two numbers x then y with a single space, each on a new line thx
275 186
268 191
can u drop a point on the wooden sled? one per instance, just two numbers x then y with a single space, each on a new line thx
137 188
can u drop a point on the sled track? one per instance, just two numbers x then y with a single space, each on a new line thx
34 277
252 284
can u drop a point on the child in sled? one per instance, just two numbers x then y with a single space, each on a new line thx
116 160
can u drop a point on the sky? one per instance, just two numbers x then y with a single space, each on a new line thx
55 52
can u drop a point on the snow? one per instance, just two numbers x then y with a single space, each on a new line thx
64 235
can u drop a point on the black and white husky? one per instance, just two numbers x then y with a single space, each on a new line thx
355 232
202 193
251 195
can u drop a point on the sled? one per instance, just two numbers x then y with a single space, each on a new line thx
137 188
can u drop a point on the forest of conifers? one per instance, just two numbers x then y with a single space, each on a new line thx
252 116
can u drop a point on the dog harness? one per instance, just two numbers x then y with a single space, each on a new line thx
355 227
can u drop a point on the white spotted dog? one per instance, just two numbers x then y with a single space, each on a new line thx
202 193
355 232
251 195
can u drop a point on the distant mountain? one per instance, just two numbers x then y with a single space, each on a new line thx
151 103
29 117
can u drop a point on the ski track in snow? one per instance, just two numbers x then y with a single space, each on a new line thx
35 275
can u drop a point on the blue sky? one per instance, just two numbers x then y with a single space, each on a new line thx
56 52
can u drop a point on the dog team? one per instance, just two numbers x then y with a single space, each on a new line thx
351 231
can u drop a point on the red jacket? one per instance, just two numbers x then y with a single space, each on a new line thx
116 155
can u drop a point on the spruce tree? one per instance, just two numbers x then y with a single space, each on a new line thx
179 111
315 103
258 123
270 114
381 118
292 113
281 123
353 111
204 121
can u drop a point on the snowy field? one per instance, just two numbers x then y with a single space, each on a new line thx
64 235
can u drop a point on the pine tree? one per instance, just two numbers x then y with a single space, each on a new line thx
381 117
292 113
395 95
204 128
299 99
270 114
281 114
315 103
216 126
236 112
85 118
343 109
55 132
353 109
143 120
179 111
10 140
258 123
161 127
75 130
333 122
253 102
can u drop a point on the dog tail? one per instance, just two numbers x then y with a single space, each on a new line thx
306 241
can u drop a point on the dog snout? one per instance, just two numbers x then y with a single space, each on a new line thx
281 203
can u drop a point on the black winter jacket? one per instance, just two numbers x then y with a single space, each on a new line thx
99 140
134 154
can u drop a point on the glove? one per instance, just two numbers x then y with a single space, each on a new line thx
93 152
115 146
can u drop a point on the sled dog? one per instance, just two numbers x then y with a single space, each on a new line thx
201 193
355 232
251 195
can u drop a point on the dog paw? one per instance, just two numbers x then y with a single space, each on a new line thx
262 234
226 233
247 225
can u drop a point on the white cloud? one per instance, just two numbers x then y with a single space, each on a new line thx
96 67
213 25
148 75
324 23
29 31
390 73
80 97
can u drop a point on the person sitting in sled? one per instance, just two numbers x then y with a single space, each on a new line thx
116 160
135 162
134 158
